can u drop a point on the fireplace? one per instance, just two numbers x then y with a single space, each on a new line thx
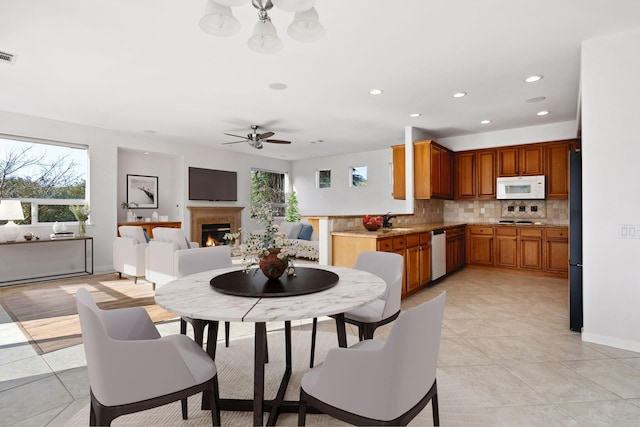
213 234
202 217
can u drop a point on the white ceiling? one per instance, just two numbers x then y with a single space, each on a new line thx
136 65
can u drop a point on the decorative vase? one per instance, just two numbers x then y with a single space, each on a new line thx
82 228
272 266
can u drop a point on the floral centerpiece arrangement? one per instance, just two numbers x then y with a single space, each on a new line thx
232 238
268 248
81 212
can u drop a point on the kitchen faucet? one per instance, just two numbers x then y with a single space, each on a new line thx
386 218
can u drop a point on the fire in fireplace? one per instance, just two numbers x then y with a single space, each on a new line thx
213 234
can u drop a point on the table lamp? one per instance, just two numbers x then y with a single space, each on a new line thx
11 210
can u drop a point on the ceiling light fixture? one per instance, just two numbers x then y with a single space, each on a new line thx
459 94
485 122
533 79
218 20
414 115
543 113
375 92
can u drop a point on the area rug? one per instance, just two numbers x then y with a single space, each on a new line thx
235 369
46 312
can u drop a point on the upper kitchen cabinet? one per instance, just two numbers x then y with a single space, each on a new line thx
475 174
399 172
522 160
433 170
557 168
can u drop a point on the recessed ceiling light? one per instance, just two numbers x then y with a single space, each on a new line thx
543 113
536 99
533 79
414 115
459 94
485 122
278 86
146 152
149 131
375 92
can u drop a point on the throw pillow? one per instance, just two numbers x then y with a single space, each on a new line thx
306 232
146 236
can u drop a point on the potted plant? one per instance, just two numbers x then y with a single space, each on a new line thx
81 212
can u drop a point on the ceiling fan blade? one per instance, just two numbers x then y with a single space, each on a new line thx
277 141
237 136
266 135
234 142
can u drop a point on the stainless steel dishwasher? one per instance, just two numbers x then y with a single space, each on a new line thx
438 254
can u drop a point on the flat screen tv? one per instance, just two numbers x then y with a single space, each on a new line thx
213 185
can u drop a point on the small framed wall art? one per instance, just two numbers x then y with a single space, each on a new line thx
323 179
142 191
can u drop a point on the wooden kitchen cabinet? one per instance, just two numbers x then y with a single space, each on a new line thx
418 261
530 248
425 258
399 172
480 245
475 174
521 160
506 246
433 171
557 169
557 250
455 247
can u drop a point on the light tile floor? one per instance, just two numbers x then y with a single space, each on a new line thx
505 339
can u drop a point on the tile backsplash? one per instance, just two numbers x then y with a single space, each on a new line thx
548 211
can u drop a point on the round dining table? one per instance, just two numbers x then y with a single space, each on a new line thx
193 296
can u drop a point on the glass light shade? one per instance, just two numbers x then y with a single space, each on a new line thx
265 38
230 3
306 27
294 5
218 20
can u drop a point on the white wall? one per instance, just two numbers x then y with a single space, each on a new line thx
105 195
501 138
342 199
610 149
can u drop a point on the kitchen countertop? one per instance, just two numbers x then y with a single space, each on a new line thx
421 228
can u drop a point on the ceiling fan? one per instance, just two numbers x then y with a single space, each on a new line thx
256 139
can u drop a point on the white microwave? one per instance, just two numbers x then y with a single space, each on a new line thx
520 187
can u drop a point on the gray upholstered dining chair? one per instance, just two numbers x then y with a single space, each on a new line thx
196 261
388 266
381 383
132 368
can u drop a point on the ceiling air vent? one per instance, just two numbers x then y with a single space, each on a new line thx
7 57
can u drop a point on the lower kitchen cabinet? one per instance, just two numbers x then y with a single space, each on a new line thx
543 250
506 247
418 261
455 248
557 250
480 245
530 248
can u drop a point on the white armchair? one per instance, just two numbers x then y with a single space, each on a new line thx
381 383
129 252
161 253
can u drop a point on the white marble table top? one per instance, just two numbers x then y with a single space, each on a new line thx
192 296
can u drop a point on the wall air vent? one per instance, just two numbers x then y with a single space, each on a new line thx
7 58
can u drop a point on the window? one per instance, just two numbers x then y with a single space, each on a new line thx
269 187
46 177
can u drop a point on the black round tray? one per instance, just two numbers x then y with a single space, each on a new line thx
256 284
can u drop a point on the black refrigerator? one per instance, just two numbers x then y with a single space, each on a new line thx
575 241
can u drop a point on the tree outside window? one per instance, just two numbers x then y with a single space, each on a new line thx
47 178
269 188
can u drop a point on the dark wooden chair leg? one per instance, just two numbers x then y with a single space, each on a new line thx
119 276
185 411
302 411
314 329
227 331
214 401
434 409
183 326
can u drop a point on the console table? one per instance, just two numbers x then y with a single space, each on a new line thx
149 226
34 255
